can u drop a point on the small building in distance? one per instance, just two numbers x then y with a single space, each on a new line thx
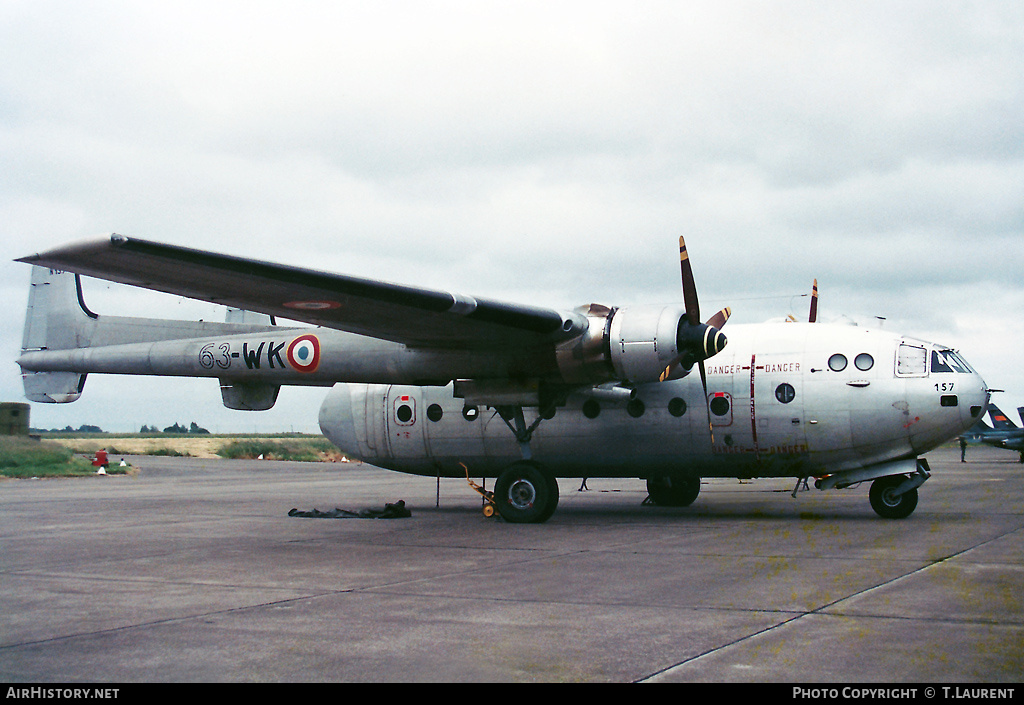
13 418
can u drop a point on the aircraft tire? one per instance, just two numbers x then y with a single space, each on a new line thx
888 505
666 491
524 493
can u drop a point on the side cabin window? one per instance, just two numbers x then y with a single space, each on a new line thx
911 361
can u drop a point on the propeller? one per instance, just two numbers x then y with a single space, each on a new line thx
696 341
813 317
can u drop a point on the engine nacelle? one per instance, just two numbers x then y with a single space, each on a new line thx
636 345
643 342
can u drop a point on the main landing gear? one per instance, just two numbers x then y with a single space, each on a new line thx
525 492
672 491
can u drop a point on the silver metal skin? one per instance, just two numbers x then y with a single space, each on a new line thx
835 424
429 382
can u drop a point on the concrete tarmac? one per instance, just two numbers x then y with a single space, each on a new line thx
193 571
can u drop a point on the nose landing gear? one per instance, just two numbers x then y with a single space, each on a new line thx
889 500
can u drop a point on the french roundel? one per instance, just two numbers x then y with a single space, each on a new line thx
304 353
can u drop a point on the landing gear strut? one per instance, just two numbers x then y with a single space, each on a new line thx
516 422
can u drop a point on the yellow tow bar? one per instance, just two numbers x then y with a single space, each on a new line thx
490 509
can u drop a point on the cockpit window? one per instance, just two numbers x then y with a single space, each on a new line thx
947 361
959 364
939 363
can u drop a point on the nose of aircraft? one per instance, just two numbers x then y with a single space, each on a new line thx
974 397
978 399
948 401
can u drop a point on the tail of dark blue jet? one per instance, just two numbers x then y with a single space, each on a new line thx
1000 421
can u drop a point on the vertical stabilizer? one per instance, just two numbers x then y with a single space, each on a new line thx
56 319
1000 422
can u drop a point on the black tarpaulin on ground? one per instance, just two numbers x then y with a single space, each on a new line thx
390 511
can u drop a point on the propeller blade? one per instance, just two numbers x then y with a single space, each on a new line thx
689 286
719 319
695 340
814 304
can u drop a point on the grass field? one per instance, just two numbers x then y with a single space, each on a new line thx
63 454
23 457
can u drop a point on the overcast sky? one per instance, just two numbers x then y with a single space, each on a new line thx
539 152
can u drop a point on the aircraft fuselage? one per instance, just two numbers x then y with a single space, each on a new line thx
785 399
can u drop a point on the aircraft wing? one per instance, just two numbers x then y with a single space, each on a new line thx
410 315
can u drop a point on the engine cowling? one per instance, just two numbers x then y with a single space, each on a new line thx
643 342
637 345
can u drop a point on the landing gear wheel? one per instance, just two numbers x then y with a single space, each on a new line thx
667 491
887 503
525 494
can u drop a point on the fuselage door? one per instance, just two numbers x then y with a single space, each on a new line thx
405 421
777 415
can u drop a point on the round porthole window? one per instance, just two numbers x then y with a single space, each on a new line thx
864 362
635 408
677 406
404 413
785 393
435 412
591 409
719 406
837 363
470 413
